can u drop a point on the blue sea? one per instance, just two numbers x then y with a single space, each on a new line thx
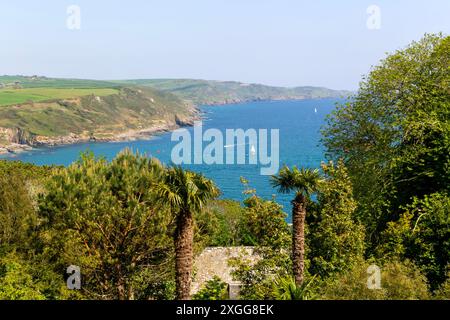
299 124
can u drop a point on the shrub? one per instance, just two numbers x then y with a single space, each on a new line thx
214 289
399 281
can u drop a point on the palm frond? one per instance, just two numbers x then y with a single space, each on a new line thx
185 190
304 181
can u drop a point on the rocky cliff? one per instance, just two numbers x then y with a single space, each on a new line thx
131 114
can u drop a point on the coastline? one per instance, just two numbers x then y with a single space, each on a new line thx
15 148
127 135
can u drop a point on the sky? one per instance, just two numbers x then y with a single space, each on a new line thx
275 42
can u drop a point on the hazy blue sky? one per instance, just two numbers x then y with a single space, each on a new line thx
277 42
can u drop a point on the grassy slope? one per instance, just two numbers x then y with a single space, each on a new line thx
10 96
218 92
130 108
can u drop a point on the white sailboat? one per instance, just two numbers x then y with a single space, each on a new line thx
252 150
315 110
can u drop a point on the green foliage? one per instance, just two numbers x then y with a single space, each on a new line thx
30 279
151 285
214 289
101 217
443 292
335 239
28 171
257 277
16 282
221 224
24 274
266 229
303 181
264 224
394 135
260 222
18 219
422 234
399 281
185 191
17 214
287 289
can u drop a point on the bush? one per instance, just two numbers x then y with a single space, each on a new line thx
214 289
286 289
22 279
399 281
220 225
443 292
422 234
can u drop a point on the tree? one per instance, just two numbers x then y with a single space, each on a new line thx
186 193
17 214
422 235
102 216
394 134
263 222
335 238
303 182
221 224
24 272
264 227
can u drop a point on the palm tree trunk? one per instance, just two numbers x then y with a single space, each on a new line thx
184 237
298 238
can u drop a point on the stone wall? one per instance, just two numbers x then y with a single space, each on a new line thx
213 261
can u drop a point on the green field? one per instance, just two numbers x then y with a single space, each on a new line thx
11 96
195 91
44 82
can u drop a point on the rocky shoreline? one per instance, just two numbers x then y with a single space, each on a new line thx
20 141
19 144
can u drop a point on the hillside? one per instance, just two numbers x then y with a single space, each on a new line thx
37 110
221 92
9 96
196 91
124 114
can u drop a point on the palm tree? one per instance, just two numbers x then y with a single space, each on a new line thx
186 193
303 182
